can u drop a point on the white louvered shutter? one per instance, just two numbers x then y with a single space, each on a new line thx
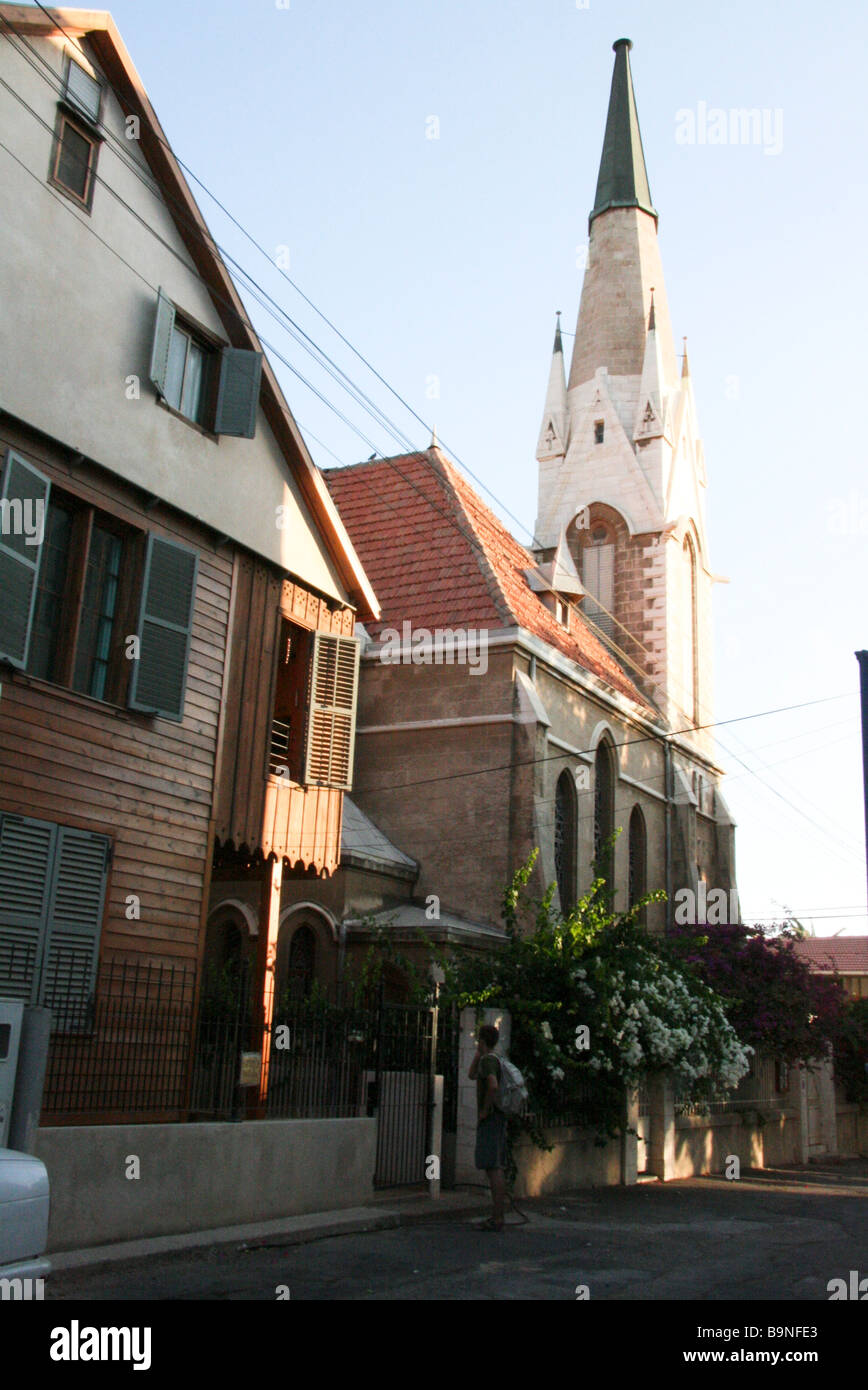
331 721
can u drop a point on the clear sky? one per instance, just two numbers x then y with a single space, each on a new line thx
443 261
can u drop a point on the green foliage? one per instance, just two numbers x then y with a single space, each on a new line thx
851 1051
597 1004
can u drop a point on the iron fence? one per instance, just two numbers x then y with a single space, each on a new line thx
763 1087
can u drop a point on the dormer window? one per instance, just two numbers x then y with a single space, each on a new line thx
562 613
599 431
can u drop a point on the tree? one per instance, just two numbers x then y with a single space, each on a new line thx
773 999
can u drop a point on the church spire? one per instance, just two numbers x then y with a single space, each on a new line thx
552 436
623 178
623 254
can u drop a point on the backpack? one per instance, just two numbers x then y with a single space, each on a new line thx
512 1098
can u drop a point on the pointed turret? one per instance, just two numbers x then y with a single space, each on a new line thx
552 441
623 179
650 407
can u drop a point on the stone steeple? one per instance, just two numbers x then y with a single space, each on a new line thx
621 472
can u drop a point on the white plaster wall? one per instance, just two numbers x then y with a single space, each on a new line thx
79 301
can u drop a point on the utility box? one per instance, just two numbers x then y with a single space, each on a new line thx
11 1015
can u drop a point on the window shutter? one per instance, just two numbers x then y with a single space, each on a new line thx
74 922
162 342
331 722
24 490
83 91
25 860
165 625
598 577
238 392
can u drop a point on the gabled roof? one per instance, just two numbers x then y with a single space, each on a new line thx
439 557
98 27
846 954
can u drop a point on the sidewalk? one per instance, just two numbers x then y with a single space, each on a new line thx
385 1211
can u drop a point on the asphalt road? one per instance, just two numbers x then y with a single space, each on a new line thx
770 1236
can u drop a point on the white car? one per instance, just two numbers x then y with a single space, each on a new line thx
24 1201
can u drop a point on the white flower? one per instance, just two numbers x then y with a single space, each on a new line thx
547 1030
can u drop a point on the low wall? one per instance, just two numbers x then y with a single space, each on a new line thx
575 1161
196 1176
765 1139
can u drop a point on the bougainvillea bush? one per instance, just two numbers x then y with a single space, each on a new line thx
597 1004
773 999
851 1051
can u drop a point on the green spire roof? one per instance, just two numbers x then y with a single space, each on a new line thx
623 178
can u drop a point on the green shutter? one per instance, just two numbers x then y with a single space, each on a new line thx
162 341
24 489
238 392
26 852
165 625
331 721
71 951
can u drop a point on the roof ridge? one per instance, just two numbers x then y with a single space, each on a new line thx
451 476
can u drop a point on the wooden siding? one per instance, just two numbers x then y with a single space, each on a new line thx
144 781
254 811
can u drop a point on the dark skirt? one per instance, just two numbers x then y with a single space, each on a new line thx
491 1142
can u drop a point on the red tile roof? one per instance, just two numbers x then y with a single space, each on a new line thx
846 954
437 556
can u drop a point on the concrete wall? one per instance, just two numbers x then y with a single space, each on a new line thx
197 1176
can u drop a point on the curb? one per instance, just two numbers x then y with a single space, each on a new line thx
294 1230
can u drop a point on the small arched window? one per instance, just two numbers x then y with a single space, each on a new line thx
638 872
565 841
598 578
604 812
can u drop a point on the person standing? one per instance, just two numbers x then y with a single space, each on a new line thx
491 1122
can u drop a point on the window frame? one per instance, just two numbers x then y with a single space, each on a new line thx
85 518
231 392
71 116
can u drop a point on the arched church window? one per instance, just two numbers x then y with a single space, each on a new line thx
691 673
598 578
565 841
302 958
604 813
638 871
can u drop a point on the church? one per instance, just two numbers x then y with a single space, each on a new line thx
592 712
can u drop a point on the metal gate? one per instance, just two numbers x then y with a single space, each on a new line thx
404 1092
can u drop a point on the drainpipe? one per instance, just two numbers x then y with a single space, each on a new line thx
670 792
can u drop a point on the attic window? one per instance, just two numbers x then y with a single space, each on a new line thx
215 387
599 431
83 91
